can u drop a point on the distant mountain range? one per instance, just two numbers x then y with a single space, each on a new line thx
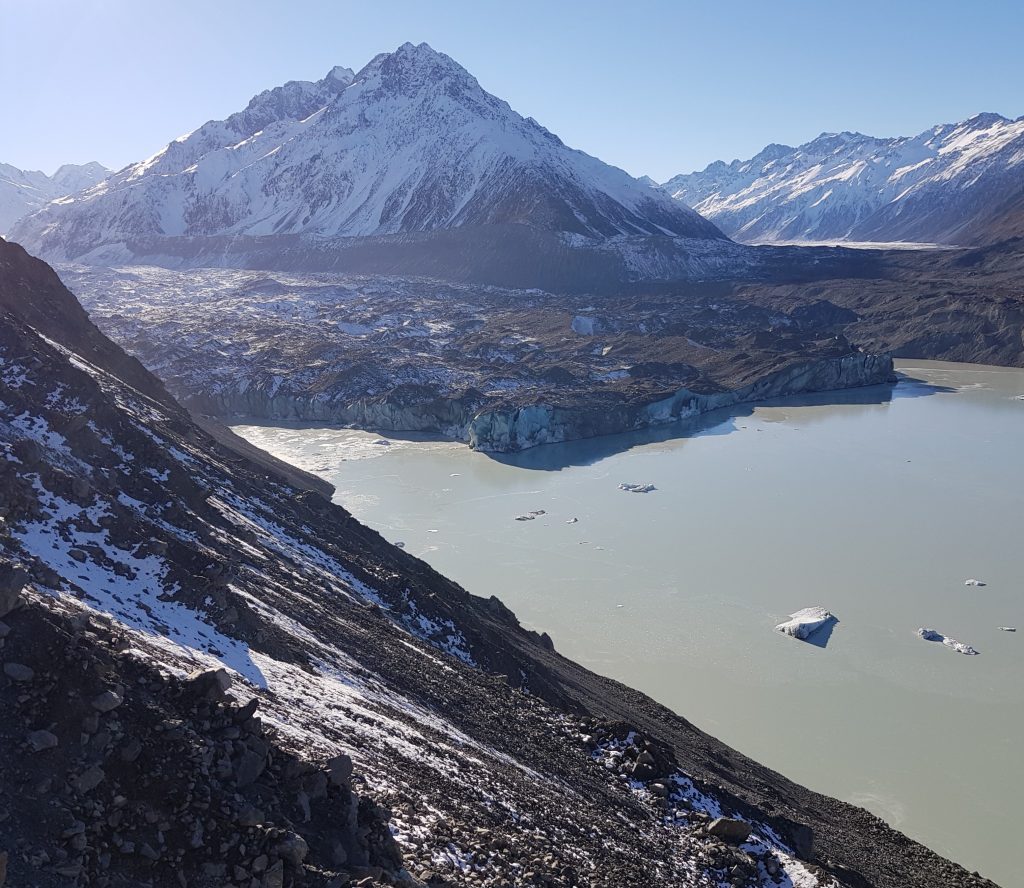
958 184
411 145
25 191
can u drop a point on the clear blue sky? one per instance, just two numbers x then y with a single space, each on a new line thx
653 86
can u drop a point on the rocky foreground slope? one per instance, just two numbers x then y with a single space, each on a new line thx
949 185
213 676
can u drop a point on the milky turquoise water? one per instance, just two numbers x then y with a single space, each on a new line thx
876 504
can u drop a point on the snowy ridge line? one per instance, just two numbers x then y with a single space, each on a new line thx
935 188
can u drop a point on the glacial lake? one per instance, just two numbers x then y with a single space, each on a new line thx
875 503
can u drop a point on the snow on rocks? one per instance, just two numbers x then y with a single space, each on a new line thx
727 848
805 622
958 646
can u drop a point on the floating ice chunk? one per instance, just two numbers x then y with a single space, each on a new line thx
537 512
637 488
529 517
572 520
958 646
804 622
1007 628
973 582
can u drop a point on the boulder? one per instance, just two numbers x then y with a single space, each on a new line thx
292 849
12 581
41 740
728 830
19 672
274 877
88 780
211 684
339 770
107 701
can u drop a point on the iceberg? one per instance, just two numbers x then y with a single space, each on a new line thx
637 488
973 582
805 622
958 646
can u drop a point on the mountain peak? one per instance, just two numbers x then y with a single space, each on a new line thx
341 74
414 67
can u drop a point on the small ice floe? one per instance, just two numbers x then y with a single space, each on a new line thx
805 622
973 582
637 488
537 512
620 605
958 646
433 530
382 442
1007 628
572 521
529 517
455 475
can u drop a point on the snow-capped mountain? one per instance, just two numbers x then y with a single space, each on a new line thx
410 144
945 185
25 191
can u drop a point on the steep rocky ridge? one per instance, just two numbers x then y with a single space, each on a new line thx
135 549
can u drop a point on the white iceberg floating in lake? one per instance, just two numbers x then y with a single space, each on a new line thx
805 622
637 488
529 517
958 646
572 520
973 582
1007 628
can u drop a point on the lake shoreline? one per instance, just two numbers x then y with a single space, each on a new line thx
682 587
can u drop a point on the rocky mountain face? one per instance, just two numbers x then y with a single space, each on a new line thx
409 146
24 191
948 185
212 675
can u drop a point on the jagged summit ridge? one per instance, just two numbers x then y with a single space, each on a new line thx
410 143
25 191
944 185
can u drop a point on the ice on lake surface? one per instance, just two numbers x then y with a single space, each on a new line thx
876 502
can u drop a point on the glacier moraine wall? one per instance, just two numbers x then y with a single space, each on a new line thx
509 428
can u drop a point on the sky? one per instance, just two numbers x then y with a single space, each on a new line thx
654 86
